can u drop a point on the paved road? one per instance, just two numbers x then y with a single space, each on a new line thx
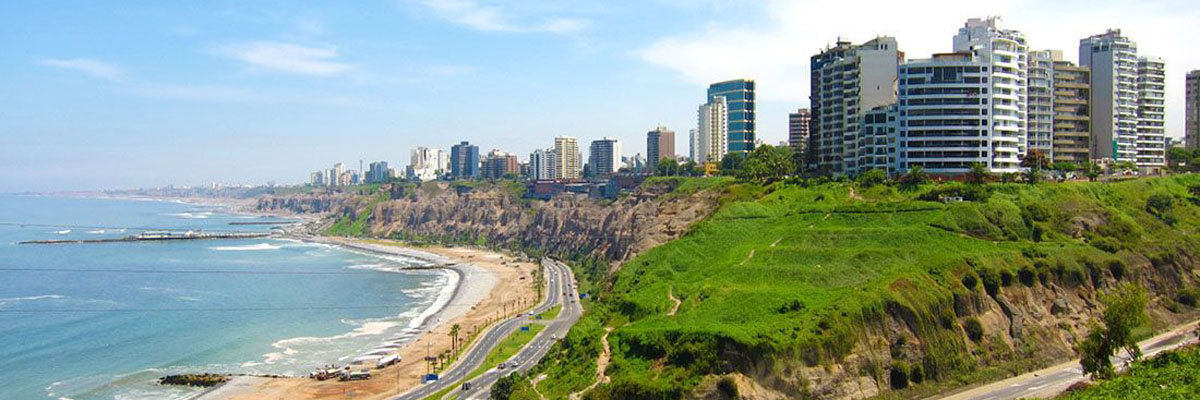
559 280
1052 381
537 348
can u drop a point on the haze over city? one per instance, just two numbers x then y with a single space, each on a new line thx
135 94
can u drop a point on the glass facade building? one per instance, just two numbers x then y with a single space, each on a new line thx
739 97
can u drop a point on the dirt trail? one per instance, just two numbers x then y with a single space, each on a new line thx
675 300
748 257
601 365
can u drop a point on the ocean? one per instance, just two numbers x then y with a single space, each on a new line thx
104 321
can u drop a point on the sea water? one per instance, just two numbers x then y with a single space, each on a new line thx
105 320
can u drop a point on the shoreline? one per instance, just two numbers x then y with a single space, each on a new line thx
479 292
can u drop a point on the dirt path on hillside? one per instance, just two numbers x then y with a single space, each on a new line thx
601 365
674 308
748 257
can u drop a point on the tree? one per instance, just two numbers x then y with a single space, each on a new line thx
454 330
732 163
503 387
915 177
1062 168
978 174
1034 161
1124 311
871 178
667 166
767 164
1092 170
689 168
1008 177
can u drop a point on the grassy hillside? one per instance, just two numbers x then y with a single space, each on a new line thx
800 277
1169 376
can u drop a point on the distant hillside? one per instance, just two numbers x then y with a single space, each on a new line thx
831 291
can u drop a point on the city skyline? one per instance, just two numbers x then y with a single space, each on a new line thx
181 98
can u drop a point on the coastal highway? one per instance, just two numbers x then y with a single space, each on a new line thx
1051 381
537 348
559 280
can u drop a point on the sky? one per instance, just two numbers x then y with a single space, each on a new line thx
99 95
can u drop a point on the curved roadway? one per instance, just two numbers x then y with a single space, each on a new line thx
559 281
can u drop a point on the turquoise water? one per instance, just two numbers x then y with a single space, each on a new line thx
103 321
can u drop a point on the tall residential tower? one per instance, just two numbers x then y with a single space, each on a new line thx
847 81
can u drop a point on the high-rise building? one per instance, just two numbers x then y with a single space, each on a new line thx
693 144
1112 59
1151 130
712 138
739 97
542 165
798 128
1192 108
317 178
336 173
847 80
1072 108
569 163
464 160
604 157
1040 112
378 172
427 164
498 164
951 115
660 143
1006 55
878 143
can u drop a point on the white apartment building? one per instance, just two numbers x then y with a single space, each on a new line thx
569 163
1006 55
1151 131
712 134
949 115
1113 61
847 81
542 164
427 164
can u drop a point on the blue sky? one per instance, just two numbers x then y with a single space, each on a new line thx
146 93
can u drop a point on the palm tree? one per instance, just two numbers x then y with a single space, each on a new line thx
454 337
978 174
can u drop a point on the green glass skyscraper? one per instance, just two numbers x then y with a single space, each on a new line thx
739 94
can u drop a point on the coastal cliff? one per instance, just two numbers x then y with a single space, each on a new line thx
823 291
496 214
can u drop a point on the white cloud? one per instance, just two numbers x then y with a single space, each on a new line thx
776 51
495 18
287 57
95 68
233 94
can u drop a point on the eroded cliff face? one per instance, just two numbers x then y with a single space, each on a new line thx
565 225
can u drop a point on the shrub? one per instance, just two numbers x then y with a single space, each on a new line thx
991 283
917 374
967 192
1026 276
974 329
969 282
871 178
728 388
1006 278
1117 268
899 375
1160 203
1188 297
1106 243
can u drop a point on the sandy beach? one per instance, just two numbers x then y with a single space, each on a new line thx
490 286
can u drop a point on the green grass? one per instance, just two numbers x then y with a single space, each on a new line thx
551 313
356 225
827 267
1168 376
